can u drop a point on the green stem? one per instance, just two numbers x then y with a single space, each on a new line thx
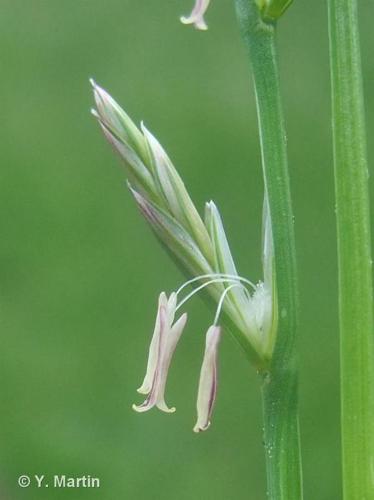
354 253
281 430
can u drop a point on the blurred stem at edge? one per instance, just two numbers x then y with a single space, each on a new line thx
280 387
354 252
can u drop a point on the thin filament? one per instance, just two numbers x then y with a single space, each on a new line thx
231 277
210 282
223 296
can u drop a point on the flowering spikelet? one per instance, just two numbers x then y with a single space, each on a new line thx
202 250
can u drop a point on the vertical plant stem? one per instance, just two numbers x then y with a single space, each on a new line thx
280 406
354 253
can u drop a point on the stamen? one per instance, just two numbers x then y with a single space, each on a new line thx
223 296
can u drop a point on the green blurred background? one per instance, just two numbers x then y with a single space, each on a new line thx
81 272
